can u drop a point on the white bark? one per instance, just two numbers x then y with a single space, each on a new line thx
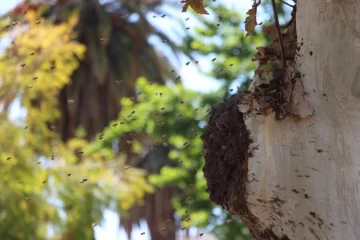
313 165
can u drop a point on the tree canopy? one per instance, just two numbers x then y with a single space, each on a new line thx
57 183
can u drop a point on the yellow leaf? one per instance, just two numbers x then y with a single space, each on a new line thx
196 5
250 21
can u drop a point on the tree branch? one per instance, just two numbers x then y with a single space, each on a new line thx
277 26
286 3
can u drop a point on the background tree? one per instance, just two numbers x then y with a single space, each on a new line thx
95 76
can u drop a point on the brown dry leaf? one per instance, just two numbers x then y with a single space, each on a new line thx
250 21
271 30
196 5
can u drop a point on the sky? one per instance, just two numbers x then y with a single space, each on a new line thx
192 79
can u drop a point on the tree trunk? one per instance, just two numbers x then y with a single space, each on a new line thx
298 178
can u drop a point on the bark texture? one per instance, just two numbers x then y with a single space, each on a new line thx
298 178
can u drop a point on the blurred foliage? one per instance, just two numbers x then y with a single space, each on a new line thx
56 188
48 186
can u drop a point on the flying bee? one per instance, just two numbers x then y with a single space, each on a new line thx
180 115
93 225
213 60
84 180
163 16
187 28
126 167
32 54
165 229
178 78
70 101
38 22
187 64
231 65
221 70
23 65
114 125
9 158
186 19
143 233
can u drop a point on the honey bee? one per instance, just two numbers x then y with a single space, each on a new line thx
84 180
213 60
163 16
143 233
187 28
